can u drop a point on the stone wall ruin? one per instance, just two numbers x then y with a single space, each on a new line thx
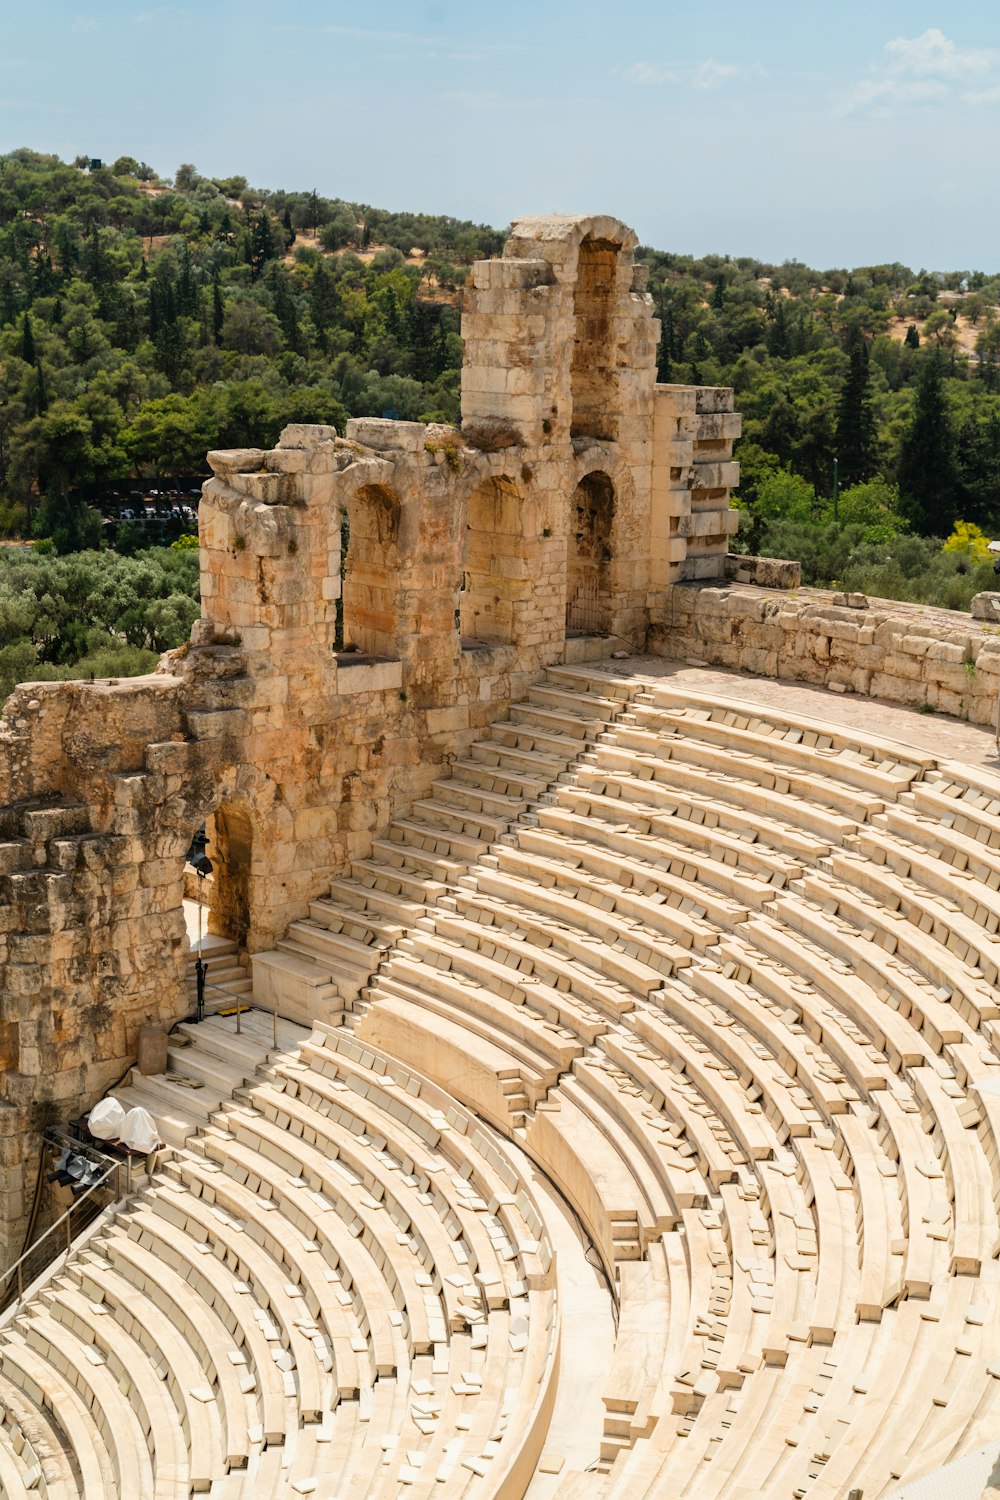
321 694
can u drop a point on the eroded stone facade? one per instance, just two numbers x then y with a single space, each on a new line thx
320 693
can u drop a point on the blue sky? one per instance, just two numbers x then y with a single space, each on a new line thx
839 135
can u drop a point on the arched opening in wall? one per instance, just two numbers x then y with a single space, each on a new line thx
367 618
218 869
588 556
492 558
594 381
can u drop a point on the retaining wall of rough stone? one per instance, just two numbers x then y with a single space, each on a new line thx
908 654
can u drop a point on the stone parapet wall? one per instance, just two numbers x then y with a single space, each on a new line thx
903 652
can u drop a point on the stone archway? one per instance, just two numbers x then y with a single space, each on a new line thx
589 556
230 848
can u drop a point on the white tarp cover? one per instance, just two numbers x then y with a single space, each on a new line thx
106 1119
138 1131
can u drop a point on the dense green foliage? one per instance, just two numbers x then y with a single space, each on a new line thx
821 371
92 613
144 322
141 325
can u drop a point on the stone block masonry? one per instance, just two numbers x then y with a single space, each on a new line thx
926 658
323 688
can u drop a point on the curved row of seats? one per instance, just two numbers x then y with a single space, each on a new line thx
340 1285
744 970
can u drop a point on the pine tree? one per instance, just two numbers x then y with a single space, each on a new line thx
41 390
284 308
324 302
218 312
778 342
262 246
168 339
856 418
95 262
928 470
912 340
979 468
43 278
187 291
27 341
667 351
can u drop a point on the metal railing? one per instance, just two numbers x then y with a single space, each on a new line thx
240 1003
60 1236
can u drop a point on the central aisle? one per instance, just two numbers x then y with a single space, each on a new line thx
588 1338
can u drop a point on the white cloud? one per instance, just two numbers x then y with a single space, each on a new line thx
888 91
921 70
84 23
705 75
933 55
710 74
645 75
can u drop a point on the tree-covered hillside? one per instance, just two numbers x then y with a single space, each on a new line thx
92 614
143 322
894 372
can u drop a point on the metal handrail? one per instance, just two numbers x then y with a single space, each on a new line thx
241 1001
64 1222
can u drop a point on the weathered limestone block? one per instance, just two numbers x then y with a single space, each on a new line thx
764 572
986 606
236 460
384 435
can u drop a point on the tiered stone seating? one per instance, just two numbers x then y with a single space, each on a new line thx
32 1460
773 1002
727 978
341 1276
347 934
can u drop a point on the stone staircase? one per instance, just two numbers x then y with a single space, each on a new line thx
227 977
183 1099
350 932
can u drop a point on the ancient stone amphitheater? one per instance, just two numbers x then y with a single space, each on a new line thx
602 1098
